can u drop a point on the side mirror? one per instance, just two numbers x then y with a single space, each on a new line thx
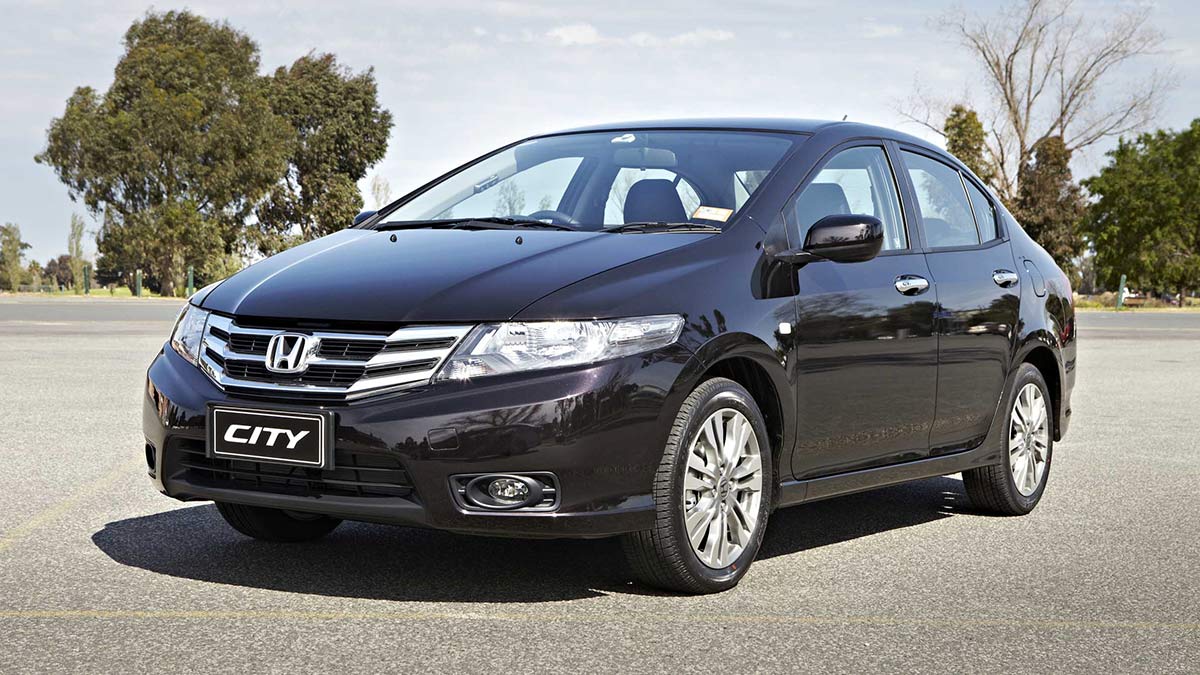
363 216
840 238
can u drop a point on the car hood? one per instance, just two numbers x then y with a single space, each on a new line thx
426 276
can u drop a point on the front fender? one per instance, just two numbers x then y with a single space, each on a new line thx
728 354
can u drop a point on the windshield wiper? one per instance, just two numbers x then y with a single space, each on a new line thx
660 226
481 223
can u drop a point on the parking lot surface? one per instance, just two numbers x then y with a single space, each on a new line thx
100 573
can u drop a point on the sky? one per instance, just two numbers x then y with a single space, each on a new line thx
464 76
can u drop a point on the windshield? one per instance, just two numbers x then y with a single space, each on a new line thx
598 180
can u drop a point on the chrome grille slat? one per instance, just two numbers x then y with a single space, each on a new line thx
362 364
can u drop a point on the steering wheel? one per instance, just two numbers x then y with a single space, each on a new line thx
556 217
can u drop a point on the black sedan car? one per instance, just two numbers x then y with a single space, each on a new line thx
662 331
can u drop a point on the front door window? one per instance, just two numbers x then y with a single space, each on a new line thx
859 181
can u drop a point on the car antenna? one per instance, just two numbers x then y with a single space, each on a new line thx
844 117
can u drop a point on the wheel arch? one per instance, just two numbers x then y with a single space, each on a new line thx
1040 354
747 360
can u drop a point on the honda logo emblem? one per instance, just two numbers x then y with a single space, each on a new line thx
289 352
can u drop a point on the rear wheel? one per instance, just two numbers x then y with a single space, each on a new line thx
1015 487
276 524
712 494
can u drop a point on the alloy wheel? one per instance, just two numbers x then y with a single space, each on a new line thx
722 488
1028 439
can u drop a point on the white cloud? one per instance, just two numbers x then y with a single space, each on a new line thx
585 34
644 39
701 36
575 34
874 30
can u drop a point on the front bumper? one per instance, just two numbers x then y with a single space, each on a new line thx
600 430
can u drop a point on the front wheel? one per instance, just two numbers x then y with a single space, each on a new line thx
1015 487
712 494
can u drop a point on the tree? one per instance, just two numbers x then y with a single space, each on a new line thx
33 275
1145 220
510 199
12 251
75 253
340 131
1050 70
1050 204
176 153
59 272
966 140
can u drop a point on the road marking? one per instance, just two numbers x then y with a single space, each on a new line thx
60 508
543 617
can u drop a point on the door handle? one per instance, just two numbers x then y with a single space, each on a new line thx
1005 278
911 284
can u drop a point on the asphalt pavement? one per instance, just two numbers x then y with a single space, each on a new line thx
99 573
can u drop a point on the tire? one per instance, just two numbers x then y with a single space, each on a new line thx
276 524
664 556
995 488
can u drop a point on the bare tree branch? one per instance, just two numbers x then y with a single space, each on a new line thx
1053 70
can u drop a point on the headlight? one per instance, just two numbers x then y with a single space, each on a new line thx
189 331
498 348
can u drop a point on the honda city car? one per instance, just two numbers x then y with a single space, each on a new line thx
661 331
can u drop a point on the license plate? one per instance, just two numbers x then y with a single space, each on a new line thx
281 437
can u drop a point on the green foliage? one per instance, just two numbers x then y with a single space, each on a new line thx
75 254
1145 221
12 251
60 275
178 150
340 131
966 140
34 276
1050 204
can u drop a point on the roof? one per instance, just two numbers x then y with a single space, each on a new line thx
788 125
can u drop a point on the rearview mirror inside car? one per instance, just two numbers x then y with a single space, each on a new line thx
645 158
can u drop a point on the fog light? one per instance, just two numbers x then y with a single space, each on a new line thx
508 490
503 491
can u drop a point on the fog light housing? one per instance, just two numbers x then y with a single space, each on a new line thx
508 490
537 491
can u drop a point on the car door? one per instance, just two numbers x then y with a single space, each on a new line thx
866 369
978 297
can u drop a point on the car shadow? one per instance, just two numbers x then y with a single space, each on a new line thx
379 562
831 521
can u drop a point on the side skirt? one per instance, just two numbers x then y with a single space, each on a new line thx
794 492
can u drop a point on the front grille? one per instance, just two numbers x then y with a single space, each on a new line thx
329 376
342 365
354 474
358 350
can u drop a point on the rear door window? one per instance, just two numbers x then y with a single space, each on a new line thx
945 210
985 213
